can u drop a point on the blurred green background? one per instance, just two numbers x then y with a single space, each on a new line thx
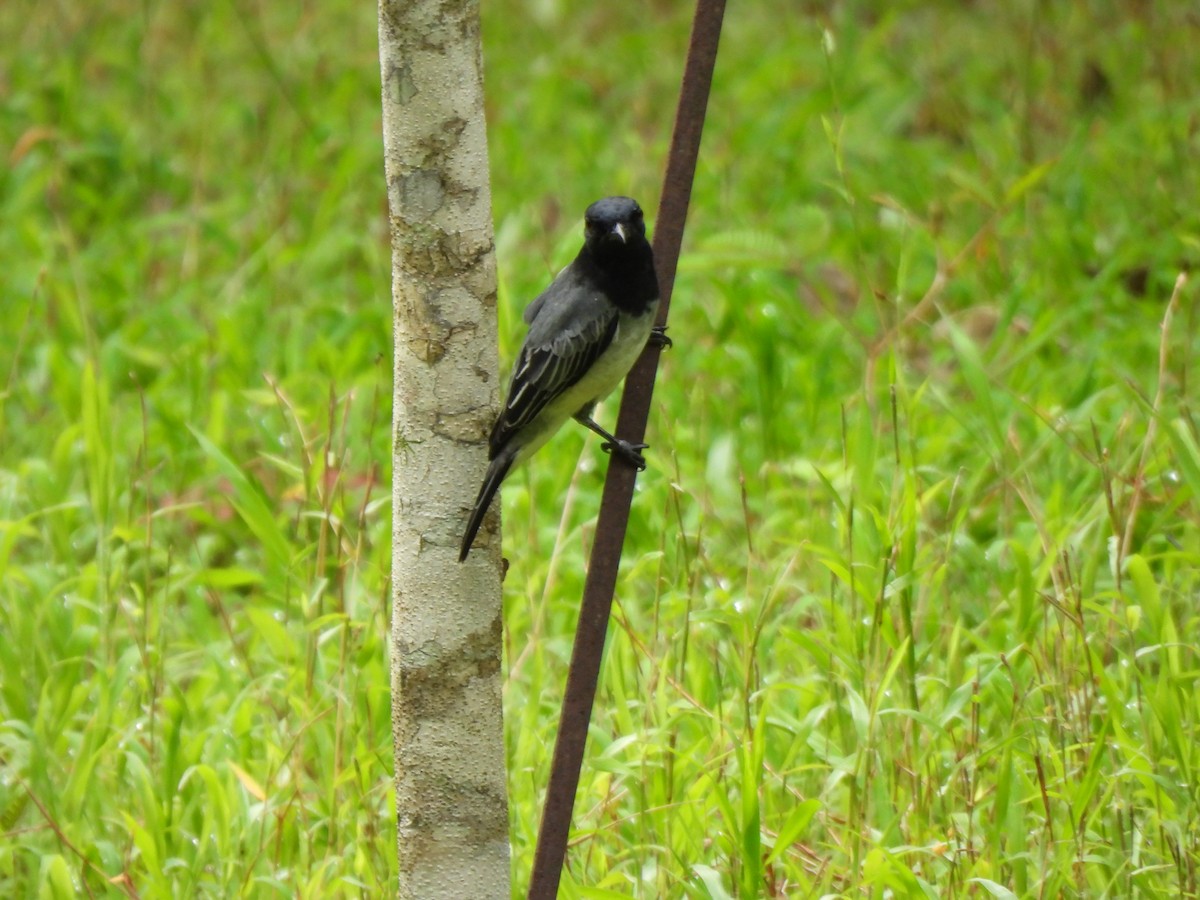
909 601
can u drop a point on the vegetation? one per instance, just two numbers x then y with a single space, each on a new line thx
909 605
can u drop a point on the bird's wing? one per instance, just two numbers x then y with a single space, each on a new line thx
563 277
570 325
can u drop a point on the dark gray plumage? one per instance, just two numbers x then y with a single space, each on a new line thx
585 332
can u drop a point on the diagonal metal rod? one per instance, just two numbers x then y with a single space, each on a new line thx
584 671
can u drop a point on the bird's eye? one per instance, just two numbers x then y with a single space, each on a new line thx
637 215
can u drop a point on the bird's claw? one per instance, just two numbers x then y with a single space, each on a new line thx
628 451
658 337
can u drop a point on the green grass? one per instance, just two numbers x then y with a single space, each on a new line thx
909 600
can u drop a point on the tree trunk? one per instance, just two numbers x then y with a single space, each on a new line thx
451 807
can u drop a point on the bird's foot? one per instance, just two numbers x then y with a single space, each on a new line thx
658 337
629 452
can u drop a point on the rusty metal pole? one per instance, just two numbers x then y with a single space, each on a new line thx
590 633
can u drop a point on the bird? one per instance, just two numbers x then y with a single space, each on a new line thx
586 330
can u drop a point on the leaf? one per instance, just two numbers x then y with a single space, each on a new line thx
216 805
1029 180
996 890
253 788
793 827
97 431
711 879
228 577
860 715
971 361
1186 454
278 640
54 881
751 782
250 504
1146 588
898 659
146 845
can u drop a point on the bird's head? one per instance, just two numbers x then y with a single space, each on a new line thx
613 223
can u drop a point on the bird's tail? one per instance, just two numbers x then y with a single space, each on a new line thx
497 469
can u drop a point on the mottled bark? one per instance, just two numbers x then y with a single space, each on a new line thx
451 805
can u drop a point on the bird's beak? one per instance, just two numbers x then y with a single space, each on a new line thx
619 231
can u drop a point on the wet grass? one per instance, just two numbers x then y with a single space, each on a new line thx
908 605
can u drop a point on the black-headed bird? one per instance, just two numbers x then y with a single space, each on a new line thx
585 332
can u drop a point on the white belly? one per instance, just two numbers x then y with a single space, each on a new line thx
599 381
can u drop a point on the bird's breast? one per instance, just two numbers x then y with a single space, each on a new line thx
610 366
